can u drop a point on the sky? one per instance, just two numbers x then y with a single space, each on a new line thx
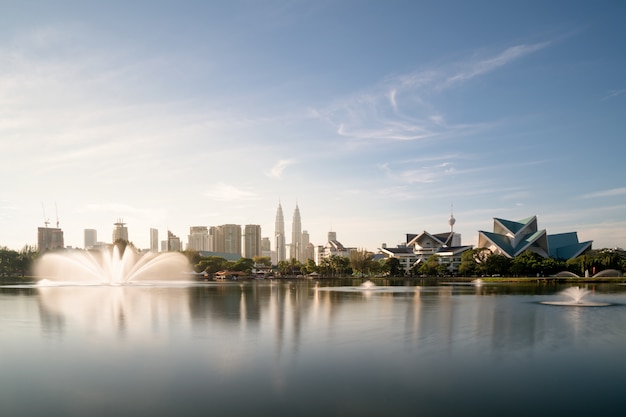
377 118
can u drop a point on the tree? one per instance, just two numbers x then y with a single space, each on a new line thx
291 267
497 264
431 267
243 265
211 264
340 265
360 261
193 256
527 263
392 265
473 261
310 267
262 260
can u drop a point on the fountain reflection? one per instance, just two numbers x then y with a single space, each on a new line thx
576 297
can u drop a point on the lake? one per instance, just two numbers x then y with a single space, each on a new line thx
309 348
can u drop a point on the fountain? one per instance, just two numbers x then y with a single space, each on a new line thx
109 267
367 285
576 298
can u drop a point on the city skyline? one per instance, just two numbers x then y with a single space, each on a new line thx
372 117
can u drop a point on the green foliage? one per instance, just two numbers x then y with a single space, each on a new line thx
290 267
335 266
17 263
391 266
211 264
595 261
497 264
310 267
361 261
243 265
193 256
432 267
262 260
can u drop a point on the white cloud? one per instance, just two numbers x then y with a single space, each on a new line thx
225 192
278 169
614 93
483 66
398 108
606 193
392 99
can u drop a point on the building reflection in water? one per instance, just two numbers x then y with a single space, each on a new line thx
284 317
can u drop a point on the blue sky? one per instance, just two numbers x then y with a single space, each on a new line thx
374 116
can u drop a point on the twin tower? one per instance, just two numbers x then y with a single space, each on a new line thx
299 238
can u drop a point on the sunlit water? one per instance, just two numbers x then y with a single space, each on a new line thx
302 349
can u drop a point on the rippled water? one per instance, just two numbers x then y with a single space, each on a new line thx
292 349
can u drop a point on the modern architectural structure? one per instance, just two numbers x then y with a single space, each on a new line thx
266 250
173 242
296 236
511 238
198 238
308 250
419 247
332 248
49 238
90 238
154 240
228 239
279 235
251 241
120 231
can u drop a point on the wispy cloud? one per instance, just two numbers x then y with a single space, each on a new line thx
225 192
606 193
614 93
401 108
418 174
483 66
278 169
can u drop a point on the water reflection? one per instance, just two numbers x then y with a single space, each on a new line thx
473 317
289 349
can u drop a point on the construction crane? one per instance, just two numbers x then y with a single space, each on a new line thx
46 220
56 212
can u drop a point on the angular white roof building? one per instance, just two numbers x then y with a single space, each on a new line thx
512 238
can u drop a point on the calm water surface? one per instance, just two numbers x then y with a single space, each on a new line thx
289 349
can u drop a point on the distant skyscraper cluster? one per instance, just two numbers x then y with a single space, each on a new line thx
300 248
246 241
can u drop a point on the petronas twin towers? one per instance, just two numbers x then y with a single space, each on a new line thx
295 247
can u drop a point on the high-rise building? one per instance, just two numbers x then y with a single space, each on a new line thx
173 242
252 241
266 249
266 244
307 247
279 234
154 240
198 239
228 238
91 238
120 231
296 235
49 238
332 236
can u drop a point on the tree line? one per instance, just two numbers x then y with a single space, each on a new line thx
481 262
17 263
360 262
